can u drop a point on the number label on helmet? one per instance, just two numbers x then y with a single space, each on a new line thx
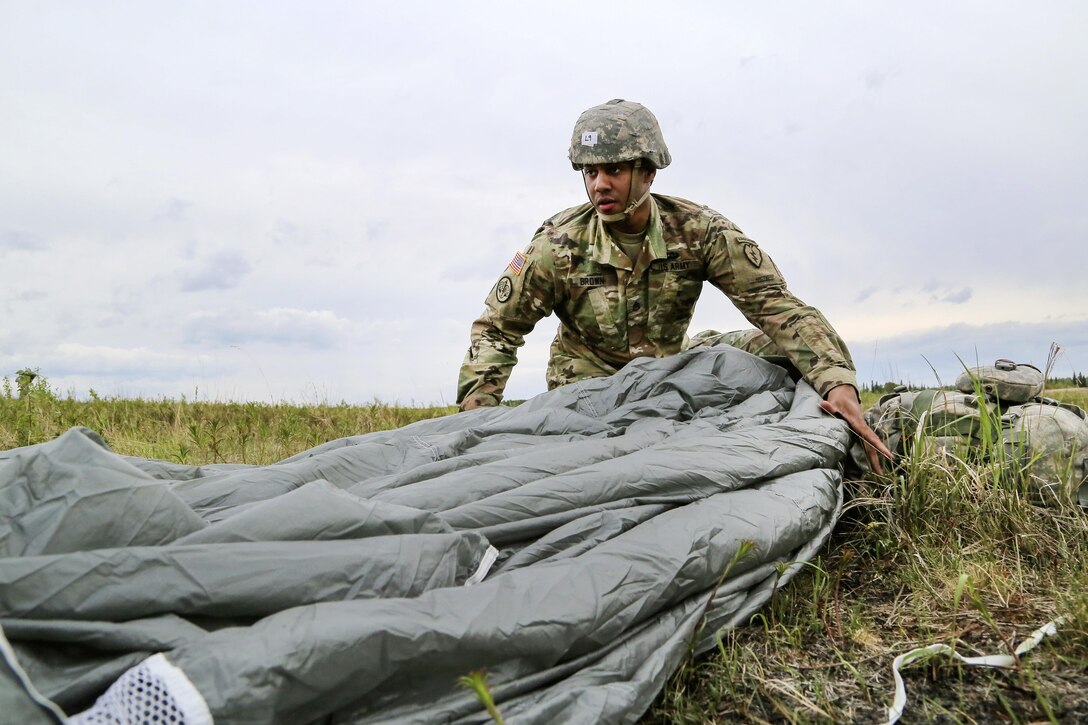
589 138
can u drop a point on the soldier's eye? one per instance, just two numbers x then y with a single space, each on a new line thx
615 170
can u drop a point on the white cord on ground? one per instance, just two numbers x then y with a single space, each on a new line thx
899 702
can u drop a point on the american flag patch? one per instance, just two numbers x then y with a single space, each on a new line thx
517 263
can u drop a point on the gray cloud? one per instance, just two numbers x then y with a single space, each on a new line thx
315 329
104 361
913 358
287 234
866 294
377 229
218 272
177 209
18 240
22 299
875 79
958 297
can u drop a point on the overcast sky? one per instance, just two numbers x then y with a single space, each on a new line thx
309 201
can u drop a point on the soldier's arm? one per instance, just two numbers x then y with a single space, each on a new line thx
738 267
746 274
515 304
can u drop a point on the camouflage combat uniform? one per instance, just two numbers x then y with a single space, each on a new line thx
613 309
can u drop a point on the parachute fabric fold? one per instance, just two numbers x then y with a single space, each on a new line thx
572 547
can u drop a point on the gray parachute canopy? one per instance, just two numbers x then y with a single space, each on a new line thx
571 547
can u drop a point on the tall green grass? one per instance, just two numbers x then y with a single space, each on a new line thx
948 548
193 431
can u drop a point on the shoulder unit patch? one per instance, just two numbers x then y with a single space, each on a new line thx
752 252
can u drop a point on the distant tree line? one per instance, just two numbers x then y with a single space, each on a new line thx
1078 380
874 387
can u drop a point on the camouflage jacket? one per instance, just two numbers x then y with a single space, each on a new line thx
613 309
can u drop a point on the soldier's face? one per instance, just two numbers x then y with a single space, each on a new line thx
609 185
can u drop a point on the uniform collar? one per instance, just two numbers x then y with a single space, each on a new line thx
604 251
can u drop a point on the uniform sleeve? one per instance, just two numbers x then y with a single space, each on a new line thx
515 304
739 268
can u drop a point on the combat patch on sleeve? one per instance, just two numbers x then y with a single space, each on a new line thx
504 288
752 252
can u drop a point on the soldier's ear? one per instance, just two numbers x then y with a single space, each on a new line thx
650 174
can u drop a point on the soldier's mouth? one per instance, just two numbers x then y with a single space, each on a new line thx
606 204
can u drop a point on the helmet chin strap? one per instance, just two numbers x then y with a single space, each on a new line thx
626 213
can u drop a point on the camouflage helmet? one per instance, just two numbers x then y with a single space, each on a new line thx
618 131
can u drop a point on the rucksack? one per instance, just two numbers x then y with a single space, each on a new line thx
950 418
1003 382
1049 441
995 405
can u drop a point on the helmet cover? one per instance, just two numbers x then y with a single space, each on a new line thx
618 131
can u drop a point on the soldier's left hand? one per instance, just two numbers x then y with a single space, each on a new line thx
842 401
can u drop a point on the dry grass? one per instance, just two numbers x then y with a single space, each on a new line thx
939 552
195 431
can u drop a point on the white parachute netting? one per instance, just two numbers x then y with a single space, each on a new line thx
153 691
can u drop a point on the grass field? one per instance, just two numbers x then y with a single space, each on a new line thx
943 551
940 552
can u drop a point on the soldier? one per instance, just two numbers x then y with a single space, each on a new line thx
623 273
